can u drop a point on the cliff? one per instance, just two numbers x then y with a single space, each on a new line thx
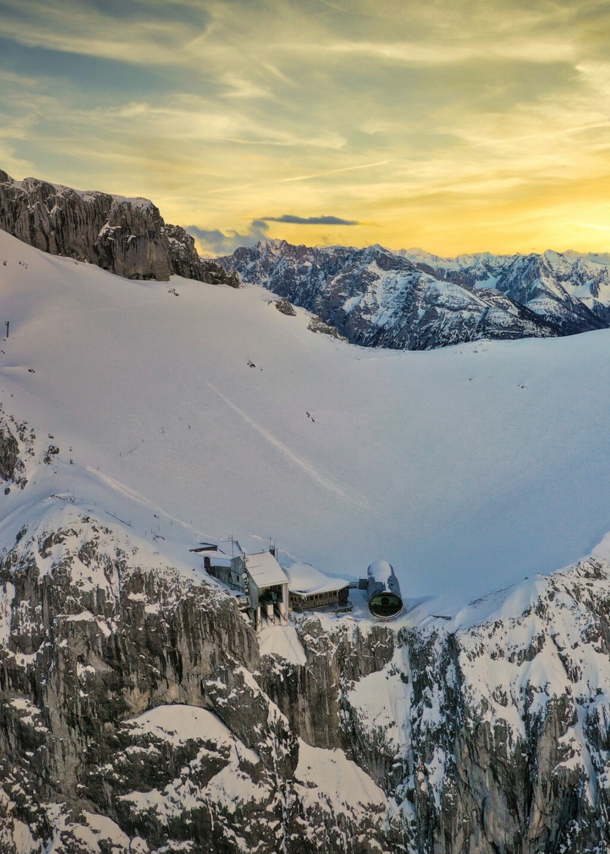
131 696
128 237
138 713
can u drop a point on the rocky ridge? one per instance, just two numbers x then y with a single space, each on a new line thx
413 300
128 237
139 714
16 447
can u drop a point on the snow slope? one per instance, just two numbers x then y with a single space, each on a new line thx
210 413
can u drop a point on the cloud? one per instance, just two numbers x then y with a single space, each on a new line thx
591 225
435 54
451 124
215 242
310 220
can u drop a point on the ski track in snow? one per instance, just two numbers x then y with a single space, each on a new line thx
313 473
134 496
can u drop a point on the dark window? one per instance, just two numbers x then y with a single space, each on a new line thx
385 605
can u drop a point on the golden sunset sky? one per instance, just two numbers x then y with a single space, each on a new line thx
454 125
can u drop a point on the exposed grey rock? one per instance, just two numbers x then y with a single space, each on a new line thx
316 324
16 445
9 454
214 274
125 236
128 237
284 306
185 261
135 707
183 256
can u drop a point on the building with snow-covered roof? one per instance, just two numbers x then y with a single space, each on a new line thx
267 587
311 590
258 577
271 591
226 563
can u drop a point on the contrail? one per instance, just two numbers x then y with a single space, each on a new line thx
334 171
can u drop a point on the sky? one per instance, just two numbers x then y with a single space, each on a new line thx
452 125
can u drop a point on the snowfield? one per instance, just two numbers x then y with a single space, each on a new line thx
210 413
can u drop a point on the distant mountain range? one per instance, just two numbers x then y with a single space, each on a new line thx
413 300
375 297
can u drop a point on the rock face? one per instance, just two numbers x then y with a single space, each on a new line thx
129 701
9 453
128 237
413 300
16 446
138 714
489 737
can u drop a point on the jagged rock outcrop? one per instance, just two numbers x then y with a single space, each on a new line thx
183 257
316 324
128 237
125 236
9 453
16 446
185 261
285 307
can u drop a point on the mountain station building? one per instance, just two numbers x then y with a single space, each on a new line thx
265 591
259 582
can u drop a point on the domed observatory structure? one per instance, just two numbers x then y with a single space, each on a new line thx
383 591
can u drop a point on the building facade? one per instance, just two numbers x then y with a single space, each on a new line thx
311 590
